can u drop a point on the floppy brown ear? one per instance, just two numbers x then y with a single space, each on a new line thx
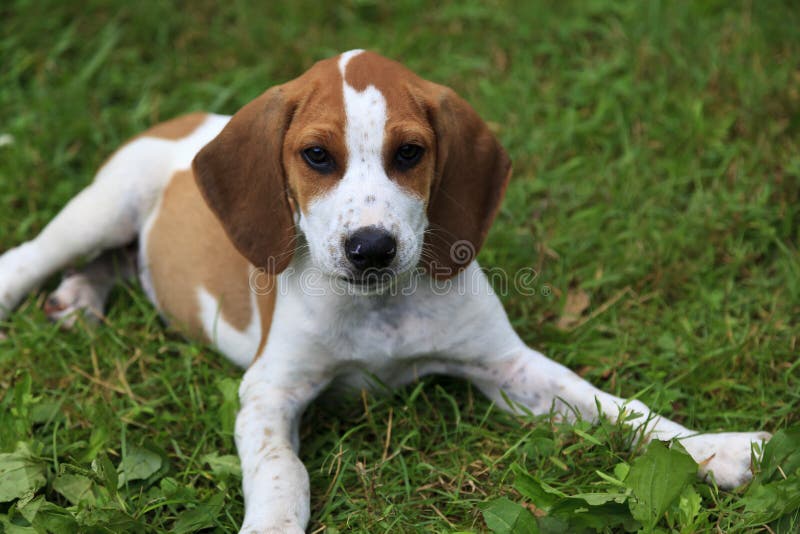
472 174
241 177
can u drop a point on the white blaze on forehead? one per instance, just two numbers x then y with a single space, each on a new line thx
365 119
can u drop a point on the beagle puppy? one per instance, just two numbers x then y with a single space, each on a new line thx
326 232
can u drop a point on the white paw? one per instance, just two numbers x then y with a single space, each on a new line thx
15 277
726 455
74 296
286 528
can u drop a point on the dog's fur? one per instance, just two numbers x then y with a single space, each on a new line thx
243 243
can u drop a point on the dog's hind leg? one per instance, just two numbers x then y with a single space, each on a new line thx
111 211
105 215
86 290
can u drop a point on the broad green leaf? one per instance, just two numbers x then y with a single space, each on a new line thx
621 471
202 516
657 478
599 499
171 489
571 513
29 509
53 518
223 465
7 527
579 514
43 412
76 488
783 451
107 519
532 489
20 473
503 516
688 508
104 469
768 502
138 464
775 492
97 441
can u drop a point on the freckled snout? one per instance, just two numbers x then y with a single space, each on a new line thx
370 247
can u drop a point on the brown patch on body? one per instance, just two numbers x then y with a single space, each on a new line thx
176 128
187 249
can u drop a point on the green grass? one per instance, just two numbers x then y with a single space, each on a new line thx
657 169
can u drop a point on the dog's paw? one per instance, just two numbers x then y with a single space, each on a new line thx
15 276
288 528
74 296
8 297
727 455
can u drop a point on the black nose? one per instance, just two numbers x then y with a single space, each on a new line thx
370 248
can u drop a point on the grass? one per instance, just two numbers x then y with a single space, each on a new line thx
657 172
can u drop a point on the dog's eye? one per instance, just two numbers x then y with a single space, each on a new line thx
318 159
407 156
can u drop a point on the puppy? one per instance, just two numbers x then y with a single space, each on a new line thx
326 232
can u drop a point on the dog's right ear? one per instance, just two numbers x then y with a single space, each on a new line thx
240 175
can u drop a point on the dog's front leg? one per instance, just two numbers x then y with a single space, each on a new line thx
274 480
530 379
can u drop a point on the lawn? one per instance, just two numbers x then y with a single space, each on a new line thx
656 193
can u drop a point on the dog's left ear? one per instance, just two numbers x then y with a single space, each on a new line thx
472 172
240 174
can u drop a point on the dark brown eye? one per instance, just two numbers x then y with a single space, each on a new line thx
407 156
318 159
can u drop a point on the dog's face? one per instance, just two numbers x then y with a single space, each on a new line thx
359 160
380 171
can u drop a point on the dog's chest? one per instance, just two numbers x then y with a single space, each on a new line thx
343 333
379 332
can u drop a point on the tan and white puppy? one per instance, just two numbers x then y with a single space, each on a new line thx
325 232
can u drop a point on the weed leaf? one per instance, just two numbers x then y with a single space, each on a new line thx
20 473
657 479
504 516
783 451
223 465
775 491
202 516
76 488
542 496
138 464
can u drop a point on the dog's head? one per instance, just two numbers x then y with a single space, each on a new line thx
380 170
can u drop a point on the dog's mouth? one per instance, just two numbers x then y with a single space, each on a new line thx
369 281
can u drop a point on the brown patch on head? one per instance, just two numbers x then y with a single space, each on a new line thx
177 128
252 169
318 121
187 249
464 171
